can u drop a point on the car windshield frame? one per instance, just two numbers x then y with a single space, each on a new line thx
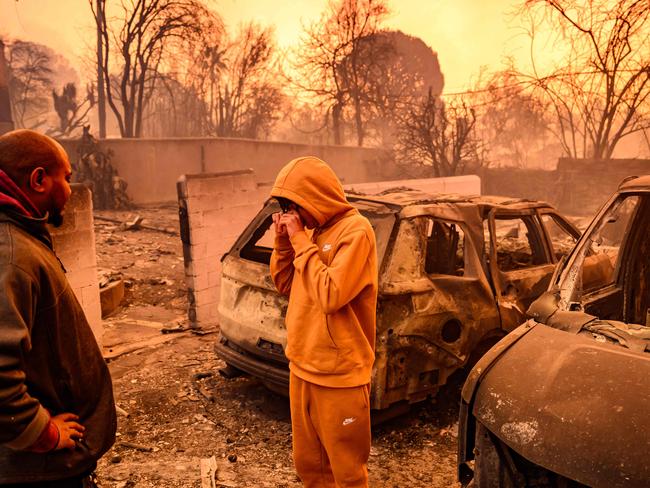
567 276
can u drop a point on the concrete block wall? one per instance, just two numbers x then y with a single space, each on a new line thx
214 209
534 184
74 244
576 186
588 183
151 167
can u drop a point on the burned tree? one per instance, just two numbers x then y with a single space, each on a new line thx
398 71
599 92
235 82
93 168
330 65
513 123
136 46
30 82
71 112
243 96
440 136
174 110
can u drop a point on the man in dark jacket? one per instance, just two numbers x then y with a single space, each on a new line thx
57 413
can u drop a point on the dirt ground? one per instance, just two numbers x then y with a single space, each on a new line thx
180 410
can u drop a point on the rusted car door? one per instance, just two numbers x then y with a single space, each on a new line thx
521 263
436 305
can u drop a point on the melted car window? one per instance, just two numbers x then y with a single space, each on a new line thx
606 244
518 243
445 248
561 240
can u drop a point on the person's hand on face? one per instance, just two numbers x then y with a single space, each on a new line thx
292 222
280 229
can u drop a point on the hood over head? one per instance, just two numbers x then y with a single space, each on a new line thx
312 184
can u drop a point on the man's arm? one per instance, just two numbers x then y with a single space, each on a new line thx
282 258
335 285
24 422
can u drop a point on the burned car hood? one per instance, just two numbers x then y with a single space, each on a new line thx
579 408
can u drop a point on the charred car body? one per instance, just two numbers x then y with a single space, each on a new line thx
456 274
563 400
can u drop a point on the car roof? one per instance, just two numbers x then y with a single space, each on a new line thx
406 197
633 183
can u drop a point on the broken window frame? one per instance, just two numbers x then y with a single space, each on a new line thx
608 301
569 279
461 244
563 224
538 239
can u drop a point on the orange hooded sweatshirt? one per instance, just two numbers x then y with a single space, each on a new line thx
330 275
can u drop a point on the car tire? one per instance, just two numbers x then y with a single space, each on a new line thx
489 470
497 466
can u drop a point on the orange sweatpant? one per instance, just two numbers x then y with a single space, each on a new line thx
331 434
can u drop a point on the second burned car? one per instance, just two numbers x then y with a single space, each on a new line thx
456 274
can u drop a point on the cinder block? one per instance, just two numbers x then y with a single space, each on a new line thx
91 303
67 255
199 266
219 249
81 277
199 282
199 235
245 182
199 251
111 296
206 296
214 217
211 201
84 221
208 186
214 277
69 224
195 219
74 244
207 313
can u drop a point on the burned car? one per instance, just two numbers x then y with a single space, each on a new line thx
456 274
563 400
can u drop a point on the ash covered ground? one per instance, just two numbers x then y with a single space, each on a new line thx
180 410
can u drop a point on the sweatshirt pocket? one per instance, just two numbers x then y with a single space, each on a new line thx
310 344
346 332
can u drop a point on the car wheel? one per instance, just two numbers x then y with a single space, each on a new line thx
497 466
489 469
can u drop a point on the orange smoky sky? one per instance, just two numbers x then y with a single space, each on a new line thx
466 34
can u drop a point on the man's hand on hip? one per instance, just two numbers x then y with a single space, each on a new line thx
69 430
292 222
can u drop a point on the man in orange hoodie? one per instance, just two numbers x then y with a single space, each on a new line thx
325 260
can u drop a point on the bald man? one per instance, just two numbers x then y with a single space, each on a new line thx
57 413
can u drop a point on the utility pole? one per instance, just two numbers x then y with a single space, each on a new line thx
101 91
6 121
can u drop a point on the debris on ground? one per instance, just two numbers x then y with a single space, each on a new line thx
185 411
135 223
